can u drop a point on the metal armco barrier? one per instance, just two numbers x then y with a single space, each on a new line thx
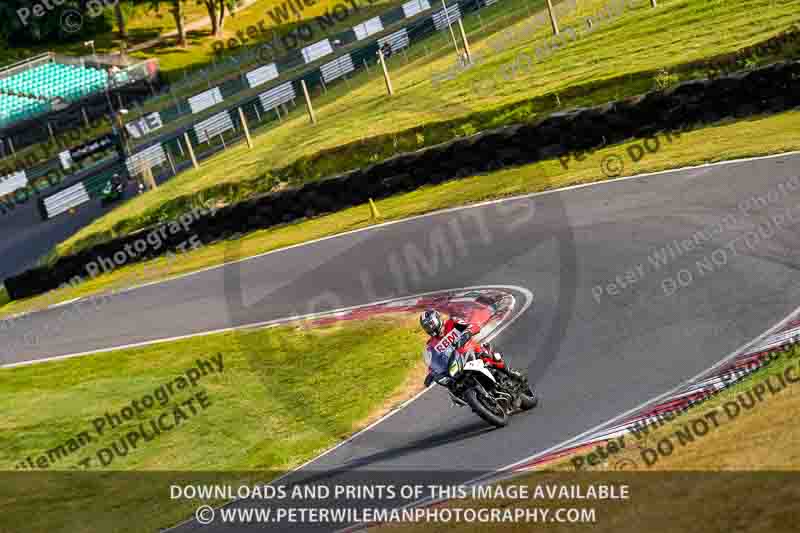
146 159
397 40
215 125
277 95
442 20
337 68
65 200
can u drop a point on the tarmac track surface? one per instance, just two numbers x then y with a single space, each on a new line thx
591 356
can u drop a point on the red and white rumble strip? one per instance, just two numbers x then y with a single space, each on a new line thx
705 386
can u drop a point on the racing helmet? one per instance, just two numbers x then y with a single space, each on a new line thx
431 321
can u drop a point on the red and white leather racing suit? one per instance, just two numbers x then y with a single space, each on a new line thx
452 332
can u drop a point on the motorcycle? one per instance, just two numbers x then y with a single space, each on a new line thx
474 380
112 192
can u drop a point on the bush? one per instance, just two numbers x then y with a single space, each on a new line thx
664 80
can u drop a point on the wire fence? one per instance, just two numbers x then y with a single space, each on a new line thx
209 122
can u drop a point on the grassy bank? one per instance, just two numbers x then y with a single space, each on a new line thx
283 395
758 136
596 68
761 438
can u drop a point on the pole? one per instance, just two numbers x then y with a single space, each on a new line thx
466 43
553 21
255 108
388 80
171 164
246 129
191 150
450 26
85 117
308 102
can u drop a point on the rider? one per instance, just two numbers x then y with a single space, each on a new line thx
431 321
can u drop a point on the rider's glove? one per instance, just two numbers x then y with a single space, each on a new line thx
463 339
428 380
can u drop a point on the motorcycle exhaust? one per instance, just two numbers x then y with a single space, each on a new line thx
457 401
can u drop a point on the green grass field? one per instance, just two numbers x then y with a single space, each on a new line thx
283 395
620 50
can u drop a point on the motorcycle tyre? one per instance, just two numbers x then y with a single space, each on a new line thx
471 395
528 399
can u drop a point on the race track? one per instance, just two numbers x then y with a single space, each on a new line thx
592 354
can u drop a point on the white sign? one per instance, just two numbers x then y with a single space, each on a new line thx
205 100
364 30
262 75
145 125
66 159
12 182
415 6
317 50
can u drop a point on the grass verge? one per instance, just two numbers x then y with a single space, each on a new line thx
761 437
758 136
283 395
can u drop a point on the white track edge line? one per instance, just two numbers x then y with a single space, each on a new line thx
435 213
498 477
262 324
528 301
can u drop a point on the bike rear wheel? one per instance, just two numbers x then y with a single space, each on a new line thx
497 417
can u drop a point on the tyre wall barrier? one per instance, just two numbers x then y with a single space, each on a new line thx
771 89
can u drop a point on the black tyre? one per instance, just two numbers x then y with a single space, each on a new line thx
528 399
493 416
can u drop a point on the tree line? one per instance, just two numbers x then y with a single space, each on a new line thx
49 28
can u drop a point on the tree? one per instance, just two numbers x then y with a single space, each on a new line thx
216 12
121 27
20 26
176 10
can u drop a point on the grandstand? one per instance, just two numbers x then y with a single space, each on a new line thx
14 108
28 89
